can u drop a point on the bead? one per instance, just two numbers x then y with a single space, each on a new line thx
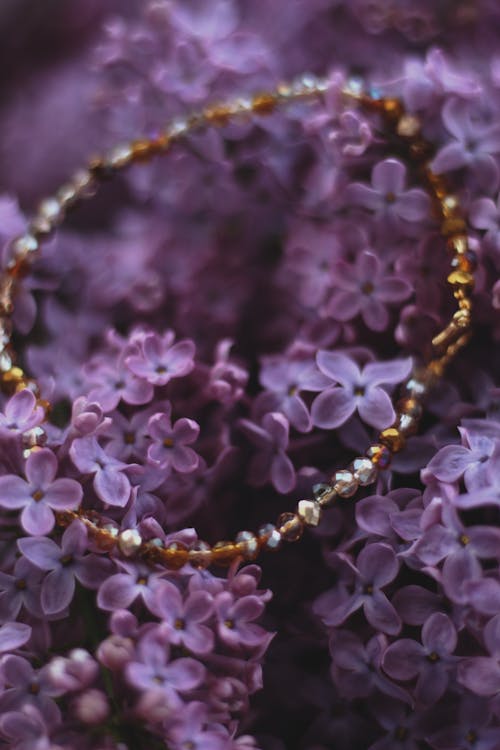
200 555
450 206
175 555
392 438
84 183
408 126
414 387
13 377
380 455
217 115
453 225
101 169
247 545
34 437
241 105
324 494
420 149
354 87
40 227
309 512
6 294
345 483
51 210
465 261
458 244
290 527
462 318
179 126
129 542
106 537
363 470
461 278
263 104
406 424
67 195
223 553
269 537
120 156
6 361
24 246
392 109
141 150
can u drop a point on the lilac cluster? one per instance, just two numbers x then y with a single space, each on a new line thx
217 332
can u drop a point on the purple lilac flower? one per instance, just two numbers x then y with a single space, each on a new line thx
182 617
387 196
431 660
64 564
25 685
160 359
235 620
271 462
284 380
485 215
27 728
192 731
41 494
358 389
475 142
21 414
21 589
364 288
481 674
376 567
111 381
13 635
469 726
170 446
119 591
110 483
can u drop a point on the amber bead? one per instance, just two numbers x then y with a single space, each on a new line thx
13 377
345 483
380 455
408 126
392 109
247 545
217 115
105 538
324 494
175 555
309 511
263 104
465 261
269 537
392 438
200 555
290 526
453 225
461 279
223 553
6 294
458 244
437 183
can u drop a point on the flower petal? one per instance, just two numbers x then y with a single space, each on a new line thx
332 408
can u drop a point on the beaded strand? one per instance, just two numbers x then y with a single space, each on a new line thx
406 132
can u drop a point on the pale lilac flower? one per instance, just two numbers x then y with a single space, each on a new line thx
110 483
119 591
13 635
160 360
191 731
21 414
235 620
28 729
387 196
41 494
182 617
64 564
21 589
73 673
430 661
152 670
485 214
284 379
170 446
470 720
358 390
271 462
111 381
26 685
481 674
376 567
469 460
365 288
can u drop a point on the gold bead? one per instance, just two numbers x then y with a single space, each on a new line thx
458 244
438 184
450 206
175 555
408 126
217 115
380 455
309 512
461 278
223 553
247 545
290 526
14 376
392 109
200 555
263 104
392 438
453 225
344 483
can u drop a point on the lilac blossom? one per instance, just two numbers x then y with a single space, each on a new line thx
40 494
481 674
235 620
21 589
111 381
170 447
469 460
192 731
271 462
358 390
13 635
182 617
64 564
387 196
119 591
430 660
364 288
160 359
110 482
21 414
27 728
25 685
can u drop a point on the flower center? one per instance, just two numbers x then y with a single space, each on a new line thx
471 736
34 688
129 438
433 657
401 733
367 287
390 197
20 584
464 540
66 560
168 442
229 624
161 370
37 496
179 624
359 390
142 581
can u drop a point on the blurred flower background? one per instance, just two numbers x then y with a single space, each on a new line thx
219 330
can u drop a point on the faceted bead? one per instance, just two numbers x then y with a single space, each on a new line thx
120 156
217 115
179 126
392 438
406 424
450 206
354 86
247 544
106 537
393 109
408 126
465 261
324 494
200 555
84 183
263 104
380 455
414 387
25 246
290 527
174 555
13 377
363 470
40 227
461 278
309 512
129 542
462 318
458 244
6 295
438 184
34 437
410 406
223 553
270 537
453 225
6 361
345 483
51 210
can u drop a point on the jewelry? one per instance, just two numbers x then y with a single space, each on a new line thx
404 132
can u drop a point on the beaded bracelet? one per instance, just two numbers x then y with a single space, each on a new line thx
404 131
